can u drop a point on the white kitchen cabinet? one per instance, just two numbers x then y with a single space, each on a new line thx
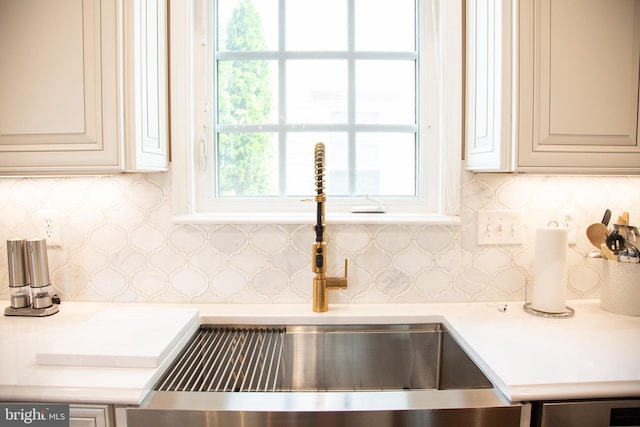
565 98
146 84
489 91
82 86
91 416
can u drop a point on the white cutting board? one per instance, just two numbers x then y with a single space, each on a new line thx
135 337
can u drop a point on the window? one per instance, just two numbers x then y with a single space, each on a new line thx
265 80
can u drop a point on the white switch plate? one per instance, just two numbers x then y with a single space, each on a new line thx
500 227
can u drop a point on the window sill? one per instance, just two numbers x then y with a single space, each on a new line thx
299 218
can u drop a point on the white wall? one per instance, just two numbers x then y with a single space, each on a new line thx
120 245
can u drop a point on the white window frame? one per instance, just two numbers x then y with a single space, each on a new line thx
440 133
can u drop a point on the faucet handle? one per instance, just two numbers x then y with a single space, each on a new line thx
338 282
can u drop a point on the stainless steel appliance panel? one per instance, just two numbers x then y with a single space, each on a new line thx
589 413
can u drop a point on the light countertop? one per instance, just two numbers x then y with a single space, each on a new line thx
594 354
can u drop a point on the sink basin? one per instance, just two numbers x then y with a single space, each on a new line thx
355 375
370 358
323 358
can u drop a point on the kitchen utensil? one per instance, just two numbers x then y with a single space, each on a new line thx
29 280
615 241
629 232
607 217
39 273
18 274
629 254
608 253
597 234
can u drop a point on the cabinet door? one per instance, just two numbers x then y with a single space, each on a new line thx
58 86
489 137
578 85
90 416
145 84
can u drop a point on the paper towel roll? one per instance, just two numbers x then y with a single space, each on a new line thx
549 289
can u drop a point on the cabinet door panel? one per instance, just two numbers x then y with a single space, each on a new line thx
579 98
488 91
90 416
145 84
592 71
41 65
58 85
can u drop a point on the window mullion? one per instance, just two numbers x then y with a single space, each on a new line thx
282 100
351 98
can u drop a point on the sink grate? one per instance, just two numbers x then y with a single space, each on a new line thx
227 359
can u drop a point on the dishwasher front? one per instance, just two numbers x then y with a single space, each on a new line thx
587 413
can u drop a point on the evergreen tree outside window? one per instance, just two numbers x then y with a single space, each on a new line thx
244 97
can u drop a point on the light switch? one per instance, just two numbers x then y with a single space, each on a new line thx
500 227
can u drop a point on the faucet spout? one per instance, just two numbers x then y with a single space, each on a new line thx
321 198
321 283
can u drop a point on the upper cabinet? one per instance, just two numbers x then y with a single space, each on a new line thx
82 86
489 109
553 86
146 85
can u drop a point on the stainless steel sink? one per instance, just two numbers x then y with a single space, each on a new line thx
370 375
373 358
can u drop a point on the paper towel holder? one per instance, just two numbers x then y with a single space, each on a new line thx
566 314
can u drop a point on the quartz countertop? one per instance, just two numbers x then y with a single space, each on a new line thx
594 354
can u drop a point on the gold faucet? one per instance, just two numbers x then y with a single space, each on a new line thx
322 284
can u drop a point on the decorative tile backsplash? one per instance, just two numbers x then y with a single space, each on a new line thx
119 244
